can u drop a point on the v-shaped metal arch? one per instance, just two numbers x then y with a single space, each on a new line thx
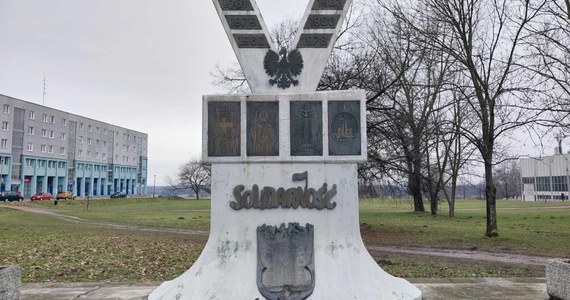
251 41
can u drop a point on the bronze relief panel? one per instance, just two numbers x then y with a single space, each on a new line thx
306 120
263 128
224 119
344 128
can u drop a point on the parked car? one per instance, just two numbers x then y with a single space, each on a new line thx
65 195
41 196
119 195
11 196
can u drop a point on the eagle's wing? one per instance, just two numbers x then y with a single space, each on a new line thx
295 62
271 62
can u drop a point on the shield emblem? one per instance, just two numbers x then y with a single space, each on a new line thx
285 261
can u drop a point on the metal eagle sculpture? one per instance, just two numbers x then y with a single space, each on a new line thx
283 67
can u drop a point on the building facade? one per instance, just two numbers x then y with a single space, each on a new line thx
47 150
545 178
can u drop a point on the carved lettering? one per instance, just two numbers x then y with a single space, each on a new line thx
329 4
243 22
322 22
235 5
251 41
314 40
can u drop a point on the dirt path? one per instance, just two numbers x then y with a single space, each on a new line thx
437 252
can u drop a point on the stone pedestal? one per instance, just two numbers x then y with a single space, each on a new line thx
10 281
558 279
227 267
303 191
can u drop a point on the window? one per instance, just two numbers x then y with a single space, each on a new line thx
63 136
543 184
51 119
63 122
42 163
45 118
6 109
50 149
44 133
104 131
43 148
5 126
80 139
96 154
80 153
4 143
29 163
98 130
51 134
104 156
80 126
96 142
89 128
30 147
89 141
559 183
32 115
61 150
88 154
31 130
104 143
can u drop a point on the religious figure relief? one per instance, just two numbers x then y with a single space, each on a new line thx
263 129
283 67
224 129
344 128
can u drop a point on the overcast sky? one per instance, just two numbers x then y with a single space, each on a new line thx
139 64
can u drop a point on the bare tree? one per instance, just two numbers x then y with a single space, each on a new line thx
484 37
508 178
194 175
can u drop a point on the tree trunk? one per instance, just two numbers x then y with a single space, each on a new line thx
417 177
490 197
433 206
451 199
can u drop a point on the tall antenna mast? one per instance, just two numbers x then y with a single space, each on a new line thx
44 94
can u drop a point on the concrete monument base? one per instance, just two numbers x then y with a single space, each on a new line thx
228 266
558 279
10 282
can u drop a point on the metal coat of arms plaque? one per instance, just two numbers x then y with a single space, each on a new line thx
285 261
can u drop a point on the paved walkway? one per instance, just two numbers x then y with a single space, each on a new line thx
432 289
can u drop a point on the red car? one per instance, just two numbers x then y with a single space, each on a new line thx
41 196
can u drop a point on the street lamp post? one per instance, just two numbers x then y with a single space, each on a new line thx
154 186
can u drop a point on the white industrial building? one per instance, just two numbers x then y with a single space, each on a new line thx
48 150
545 178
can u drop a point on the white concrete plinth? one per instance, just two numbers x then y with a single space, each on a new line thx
227 267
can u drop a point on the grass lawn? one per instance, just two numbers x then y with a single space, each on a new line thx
524 227
50 249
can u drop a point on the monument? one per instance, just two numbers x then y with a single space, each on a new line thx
284 211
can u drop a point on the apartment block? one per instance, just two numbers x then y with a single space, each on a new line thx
48 150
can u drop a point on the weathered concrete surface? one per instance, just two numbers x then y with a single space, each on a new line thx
558 278
10 281
227 267
432 289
